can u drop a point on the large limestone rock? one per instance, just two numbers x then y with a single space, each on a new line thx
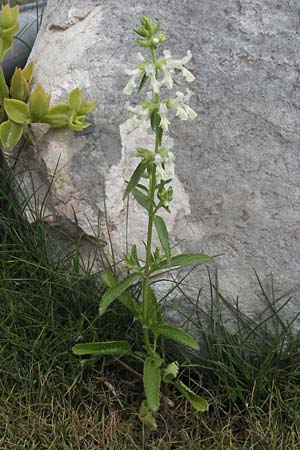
237 189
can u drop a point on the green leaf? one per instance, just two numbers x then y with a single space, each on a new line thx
86 108
163 235
18 86
75 100
8 16
38 103
135 178
141 198
28 71
17 111
6 44
110 280
143 81
103 348
171 372
185 259
116 290
153 311
197 402
151 379
10 134
146 416
58 115
4 92
175 334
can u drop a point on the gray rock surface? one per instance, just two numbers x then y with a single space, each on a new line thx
237 170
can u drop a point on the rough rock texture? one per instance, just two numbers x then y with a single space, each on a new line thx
237 187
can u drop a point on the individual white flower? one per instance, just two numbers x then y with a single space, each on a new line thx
151 73
171 64
134 74
140 119
164 122
164 161
183 110
165 170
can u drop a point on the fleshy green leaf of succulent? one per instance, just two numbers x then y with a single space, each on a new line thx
6 44
152 380
77 123
197 402
57 116
38 103
9 31
146 416
75 100
19 89
4 91
28 71
86 108
10 134
171 372
8 17
17 111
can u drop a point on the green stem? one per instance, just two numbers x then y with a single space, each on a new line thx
151 212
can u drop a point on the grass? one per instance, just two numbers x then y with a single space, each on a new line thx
51 399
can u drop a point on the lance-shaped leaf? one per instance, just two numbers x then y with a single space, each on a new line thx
116 290
10 134
152 380
75 100
38 103
58 115
197 402
146 416
103 348
142 82
8 16
171 372
175 334
28 71
17 111
141 198
163 235
135 178
185 259
125 298
153 311
18 86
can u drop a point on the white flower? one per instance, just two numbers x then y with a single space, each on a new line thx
134 74
140 119
164 161
171 64
151 73
165 170
164 122
183 110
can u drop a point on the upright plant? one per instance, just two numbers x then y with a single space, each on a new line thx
19 106
150 186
